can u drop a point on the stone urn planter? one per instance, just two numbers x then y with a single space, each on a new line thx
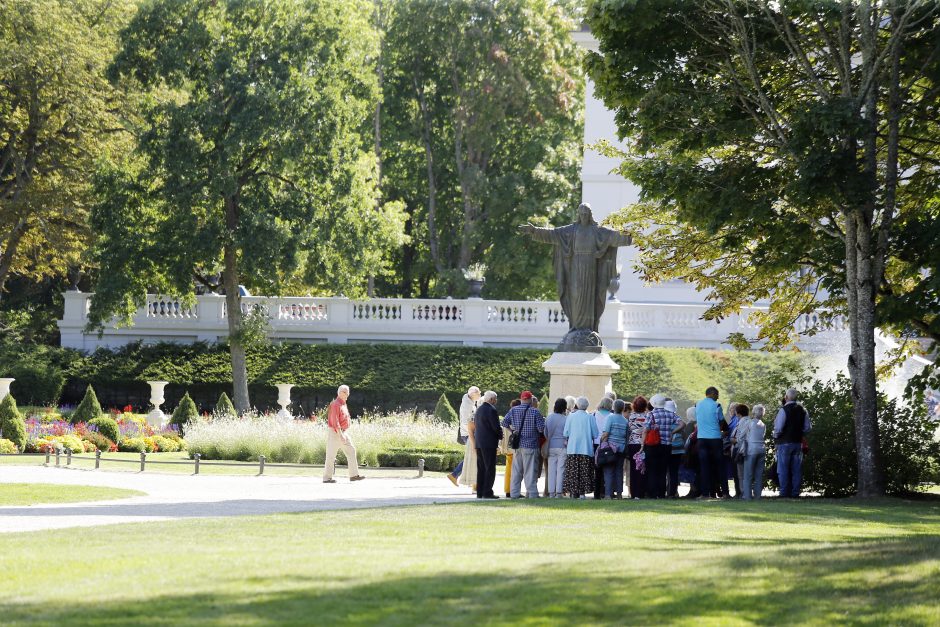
5 387
156 417
476 288
283 399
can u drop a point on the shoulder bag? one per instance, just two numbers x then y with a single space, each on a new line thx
652 435
516 438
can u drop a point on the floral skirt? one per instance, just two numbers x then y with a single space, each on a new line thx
579 474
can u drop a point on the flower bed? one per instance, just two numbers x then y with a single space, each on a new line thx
376 438
45 434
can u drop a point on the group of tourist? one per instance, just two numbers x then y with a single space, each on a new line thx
581 453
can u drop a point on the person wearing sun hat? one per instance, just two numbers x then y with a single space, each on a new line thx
526 420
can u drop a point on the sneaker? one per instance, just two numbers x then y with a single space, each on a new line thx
329 481
453 479
357 478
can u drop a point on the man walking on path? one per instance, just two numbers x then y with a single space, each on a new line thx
336 438
790 425
468 406
488 435
708 416
528 422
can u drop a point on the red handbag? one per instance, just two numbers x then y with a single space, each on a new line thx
652 435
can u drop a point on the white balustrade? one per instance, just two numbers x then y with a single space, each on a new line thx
472 322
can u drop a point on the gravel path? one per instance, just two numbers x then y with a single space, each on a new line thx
171 497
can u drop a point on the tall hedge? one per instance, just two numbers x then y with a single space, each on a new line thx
12 424
88 409
445 411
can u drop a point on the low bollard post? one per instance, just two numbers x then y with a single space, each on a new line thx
47 457
57 451
143 461
260 464
196 460
420 467
97 460
68 456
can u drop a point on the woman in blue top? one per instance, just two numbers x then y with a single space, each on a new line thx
615 432
557 449
580 431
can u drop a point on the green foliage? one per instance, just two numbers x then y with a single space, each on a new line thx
37 384
108 427
7 447
72 442
437 461
185 412
544 407
224 407
481 130
166 445
132 445
99 440
909 447
88 410
445 412
12 425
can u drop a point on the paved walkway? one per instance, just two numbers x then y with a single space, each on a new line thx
171 497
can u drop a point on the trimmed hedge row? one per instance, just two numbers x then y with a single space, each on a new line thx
388 376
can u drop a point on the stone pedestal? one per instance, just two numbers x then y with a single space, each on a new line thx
580 374
156 417
283 399
5 387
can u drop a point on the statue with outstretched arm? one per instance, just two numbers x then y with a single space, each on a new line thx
585 260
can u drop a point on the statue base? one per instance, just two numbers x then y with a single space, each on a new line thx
581 341
580 374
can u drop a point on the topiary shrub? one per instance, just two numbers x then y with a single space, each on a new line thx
185 412
108 427
71 442
225 407
132 445
544 409
7 447
908 446
37 383
445 412
12 426
88 409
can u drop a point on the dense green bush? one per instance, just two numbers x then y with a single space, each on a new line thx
12 425
101 442
108 427
166 445
7 447
544 408
37 383
437 460
185 412
88 409
225 407
133 445
445 412
908 446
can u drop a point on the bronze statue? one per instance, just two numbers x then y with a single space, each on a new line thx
585 262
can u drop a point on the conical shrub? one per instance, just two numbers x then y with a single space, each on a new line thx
445 411
12 425
543 405
88 409
185 412
224 407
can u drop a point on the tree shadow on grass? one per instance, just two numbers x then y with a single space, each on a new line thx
857 581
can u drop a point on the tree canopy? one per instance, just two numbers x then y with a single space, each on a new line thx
786 152
251 162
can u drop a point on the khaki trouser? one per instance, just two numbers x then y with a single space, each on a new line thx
334 443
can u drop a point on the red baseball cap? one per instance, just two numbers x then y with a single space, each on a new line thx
525 395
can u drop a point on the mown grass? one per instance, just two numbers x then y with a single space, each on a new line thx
42 493
534 562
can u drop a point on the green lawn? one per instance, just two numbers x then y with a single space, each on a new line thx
205 468
38 493
545 562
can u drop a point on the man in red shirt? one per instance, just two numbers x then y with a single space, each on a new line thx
336 438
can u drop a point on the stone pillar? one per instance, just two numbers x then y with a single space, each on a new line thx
580 374
156 417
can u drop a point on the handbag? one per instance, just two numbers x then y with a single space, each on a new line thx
516 437
605 454
740 449
461 439
652 435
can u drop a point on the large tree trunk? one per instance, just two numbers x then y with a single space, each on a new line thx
234 311
433 243
8 252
